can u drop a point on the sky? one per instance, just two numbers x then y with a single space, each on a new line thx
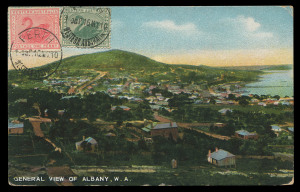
213 36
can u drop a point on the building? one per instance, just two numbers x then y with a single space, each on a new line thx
89 144
275 128
291 129
221 158
243 134
110 134
15 128
165 129
224 111
61 112
148 140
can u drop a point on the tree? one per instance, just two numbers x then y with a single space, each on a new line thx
243 102
212 101
277 97
231 97
235 144
142 145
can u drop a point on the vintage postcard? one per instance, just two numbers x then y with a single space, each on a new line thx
150 96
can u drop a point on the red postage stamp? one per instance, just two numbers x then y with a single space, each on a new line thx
34 28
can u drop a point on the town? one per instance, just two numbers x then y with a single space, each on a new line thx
98 122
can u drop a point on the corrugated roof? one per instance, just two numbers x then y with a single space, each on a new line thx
165 125
91 140
221 154
275 127
244 132
15 125
145 129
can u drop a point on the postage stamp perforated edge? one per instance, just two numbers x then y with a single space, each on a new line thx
106 44
9 38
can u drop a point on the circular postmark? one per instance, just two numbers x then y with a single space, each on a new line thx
37 54
85 27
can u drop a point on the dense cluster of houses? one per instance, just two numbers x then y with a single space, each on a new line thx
132 89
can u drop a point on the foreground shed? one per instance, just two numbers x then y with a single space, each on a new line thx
221 158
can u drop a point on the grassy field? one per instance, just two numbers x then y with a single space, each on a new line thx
190 176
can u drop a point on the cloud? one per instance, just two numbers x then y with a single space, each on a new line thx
249 27
171 26
248 22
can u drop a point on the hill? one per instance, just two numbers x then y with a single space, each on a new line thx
119 63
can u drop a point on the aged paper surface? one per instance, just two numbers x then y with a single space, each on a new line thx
150 96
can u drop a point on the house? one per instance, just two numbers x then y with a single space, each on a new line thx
110 134
262 104
243 134
148 140
155 107
69 97
89 144
285 103
165 129
224 111
275 128
162 103
148 128
291 129
221 158
61 112
15 128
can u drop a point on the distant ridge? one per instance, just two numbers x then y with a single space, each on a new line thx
259 67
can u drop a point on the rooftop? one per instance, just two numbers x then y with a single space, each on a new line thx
15 125
221 154
275 127
165 125
244 132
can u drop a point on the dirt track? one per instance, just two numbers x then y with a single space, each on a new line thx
190 127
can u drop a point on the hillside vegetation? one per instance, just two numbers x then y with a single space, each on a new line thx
122 63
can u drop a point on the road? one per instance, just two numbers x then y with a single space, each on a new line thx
190 127
101 74
51 171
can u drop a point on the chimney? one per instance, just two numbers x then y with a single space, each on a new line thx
217 149
170 124
209 153
83 138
